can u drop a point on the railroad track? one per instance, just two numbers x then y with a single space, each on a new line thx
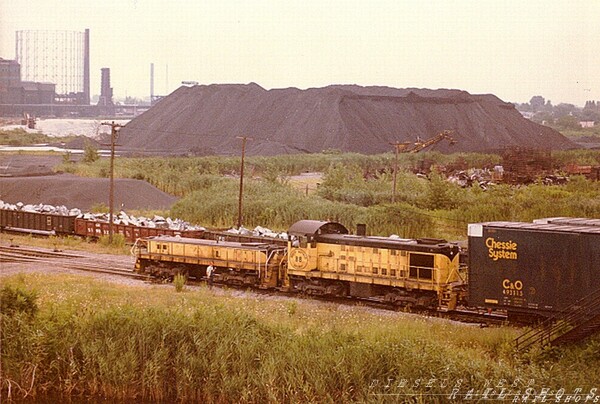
108 265
464 316
119 266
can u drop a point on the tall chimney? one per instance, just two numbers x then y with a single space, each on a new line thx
86 68
151 82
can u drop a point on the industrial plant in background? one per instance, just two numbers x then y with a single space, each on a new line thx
50 76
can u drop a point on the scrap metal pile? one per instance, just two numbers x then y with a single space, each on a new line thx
40 208
258 232
122 218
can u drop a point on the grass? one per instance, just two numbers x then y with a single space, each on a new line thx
307 183
20 137
579 132
91 338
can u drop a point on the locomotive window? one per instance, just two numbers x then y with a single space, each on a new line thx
421 266
383 271
425 273
342 267
375 270
217 253
375 250
393 272
403 253
392 252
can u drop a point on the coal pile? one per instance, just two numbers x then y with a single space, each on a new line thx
70 190
206 120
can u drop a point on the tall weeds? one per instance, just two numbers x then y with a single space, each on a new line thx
95 339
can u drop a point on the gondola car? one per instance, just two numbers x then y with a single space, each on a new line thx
36 222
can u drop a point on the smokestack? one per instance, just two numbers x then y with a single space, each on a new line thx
151 82
106 91
86 68
361 229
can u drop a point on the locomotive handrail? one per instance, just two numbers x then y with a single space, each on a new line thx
564 321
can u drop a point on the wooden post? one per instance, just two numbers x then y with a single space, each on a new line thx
111 193
239 221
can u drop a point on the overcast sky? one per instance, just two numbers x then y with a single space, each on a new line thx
513 49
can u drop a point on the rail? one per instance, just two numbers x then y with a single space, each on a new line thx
577 315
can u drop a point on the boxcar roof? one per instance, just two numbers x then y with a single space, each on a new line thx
542 227
573 221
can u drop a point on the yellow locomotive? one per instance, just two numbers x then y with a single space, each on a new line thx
321 258
252 264
324 259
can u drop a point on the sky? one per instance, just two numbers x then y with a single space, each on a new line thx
513 49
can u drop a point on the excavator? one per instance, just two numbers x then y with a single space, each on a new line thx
420 145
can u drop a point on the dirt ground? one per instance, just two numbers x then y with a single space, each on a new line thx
22 165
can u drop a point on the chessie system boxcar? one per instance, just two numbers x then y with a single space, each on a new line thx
532 268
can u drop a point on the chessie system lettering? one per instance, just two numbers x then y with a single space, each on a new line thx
506 250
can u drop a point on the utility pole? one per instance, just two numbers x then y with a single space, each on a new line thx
244 138
111 194
397 147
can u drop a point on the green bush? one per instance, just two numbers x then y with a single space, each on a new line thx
90 153
17 300
179 282
117 241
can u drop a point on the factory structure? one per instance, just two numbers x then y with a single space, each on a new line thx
50 76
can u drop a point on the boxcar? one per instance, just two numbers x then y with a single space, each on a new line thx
35 222
532 268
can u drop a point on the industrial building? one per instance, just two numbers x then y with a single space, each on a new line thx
50 76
